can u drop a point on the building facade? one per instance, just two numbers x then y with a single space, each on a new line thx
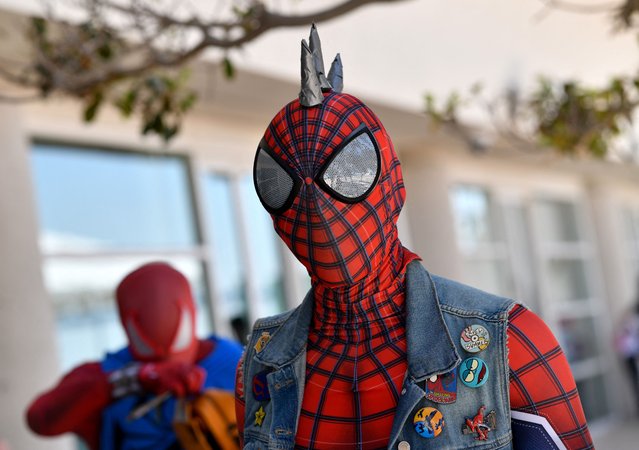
81 205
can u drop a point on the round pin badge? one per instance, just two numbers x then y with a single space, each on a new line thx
428 422
473 372
474 338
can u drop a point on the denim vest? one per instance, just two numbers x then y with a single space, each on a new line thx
437 311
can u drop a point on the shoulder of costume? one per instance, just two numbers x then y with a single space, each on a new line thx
273 321
117 359
458 298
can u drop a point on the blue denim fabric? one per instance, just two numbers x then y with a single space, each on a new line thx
437 310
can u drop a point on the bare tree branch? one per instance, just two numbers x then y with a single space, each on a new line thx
131 53
141 53
623 11
583 8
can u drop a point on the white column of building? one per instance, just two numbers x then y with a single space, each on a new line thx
618 282
27 348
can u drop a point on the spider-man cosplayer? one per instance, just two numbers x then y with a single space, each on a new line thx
95 399
382 354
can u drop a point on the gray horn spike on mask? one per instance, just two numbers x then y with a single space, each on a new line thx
314 81
311 92
336 74
316 49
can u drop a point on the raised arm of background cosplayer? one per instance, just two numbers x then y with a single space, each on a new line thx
541 382
239 398
74 405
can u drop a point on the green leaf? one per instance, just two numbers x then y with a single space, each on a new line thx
169 133
39 25
188 102
229 68
91 109
105 52
598 147
153 123
126 102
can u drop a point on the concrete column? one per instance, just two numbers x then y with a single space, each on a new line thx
28 361
618 285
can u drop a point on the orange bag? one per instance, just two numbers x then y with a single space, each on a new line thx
207 422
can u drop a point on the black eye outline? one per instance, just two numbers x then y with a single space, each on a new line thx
297 182
319 179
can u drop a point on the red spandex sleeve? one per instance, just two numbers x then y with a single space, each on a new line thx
74 405
541 381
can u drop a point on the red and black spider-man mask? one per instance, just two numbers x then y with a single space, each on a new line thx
327 172
157 312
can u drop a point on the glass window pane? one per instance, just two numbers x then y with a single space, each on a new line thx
473 222
82 292
593 397
90 200
223 230
558 221
578 338
567 280
263 243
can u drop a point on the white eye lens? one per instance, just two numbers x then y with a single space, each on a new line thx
184 335
354 169
274 185
136 340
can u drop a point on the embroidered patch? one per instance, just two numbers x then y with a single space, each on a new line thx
259 416
480 424
262 341
260 387
428 422
442 388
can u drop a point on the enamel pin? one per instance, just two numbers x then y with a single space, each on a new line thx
473 372
474 338
262 341
480 424
428 422
442 388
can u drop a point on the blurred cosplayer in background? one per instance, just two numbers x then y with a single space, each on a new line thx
381 353
95 400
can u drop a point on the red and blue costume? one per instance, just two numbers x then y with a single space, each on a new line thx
95 399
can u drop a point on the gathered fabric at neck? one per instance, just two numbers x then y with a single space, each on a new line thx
356 360
377 302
